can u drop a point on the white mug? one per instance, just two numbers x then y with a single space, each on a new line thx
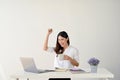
61 56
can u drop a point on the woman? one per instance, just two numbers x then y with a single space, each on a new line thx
70 54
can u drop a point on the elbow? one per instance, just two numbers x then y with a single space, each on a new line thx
45 48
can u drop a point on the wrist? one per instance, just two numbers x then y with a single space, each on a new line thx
47 34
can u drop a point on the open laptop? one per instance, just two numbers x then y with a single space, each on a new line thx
29 65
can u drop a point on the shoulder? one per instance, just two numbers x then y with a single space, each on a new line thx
50 49
73 48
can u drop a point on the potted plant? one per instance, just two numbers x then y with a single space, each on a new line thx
93 64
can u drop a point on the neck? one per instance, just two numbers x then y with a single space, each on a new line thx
65 46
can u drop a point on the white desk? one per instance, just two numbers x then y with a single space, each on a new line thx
102 74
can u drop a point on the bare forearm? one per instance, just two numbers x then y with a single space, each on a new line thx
46 42
74 62
46 39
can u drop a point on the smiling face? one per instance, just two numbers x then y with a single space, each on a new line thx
62 41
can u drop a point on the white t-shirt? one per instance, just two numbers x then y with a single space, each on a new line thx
70 51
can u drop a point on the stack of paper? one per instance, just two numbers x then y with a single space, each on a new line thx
75 71
61 70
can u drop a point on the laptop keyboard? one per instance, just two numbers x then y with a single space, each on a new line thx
43 71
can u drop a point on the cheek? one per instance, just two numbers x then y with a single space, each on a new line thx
59 42
63 41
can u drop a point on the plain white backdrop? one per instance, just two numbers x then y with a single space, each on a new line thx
93 27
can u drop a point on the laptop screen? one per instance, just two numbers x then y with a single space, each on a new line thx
28 64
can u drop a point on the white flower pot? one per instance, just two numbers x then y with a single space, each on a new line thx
93 68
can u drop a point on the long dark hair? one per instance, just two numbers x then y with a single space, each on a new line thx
59 49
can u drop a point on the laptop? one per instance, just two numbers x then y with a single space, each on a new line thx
29 65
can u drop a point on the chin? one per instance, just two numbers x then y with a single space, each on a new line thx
62 45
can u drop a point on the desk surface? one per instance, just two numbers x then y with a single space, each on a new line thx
102 73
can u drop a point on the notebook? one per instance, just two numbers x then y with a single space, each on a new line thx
76 71
29 65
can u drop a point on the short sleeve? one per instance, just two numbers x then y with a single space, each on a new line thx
50 49
76 55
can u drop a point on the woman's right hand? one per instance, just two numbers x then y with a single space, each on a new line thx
50 31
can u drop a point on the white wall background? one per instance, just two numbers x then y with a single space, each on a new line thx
93 27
